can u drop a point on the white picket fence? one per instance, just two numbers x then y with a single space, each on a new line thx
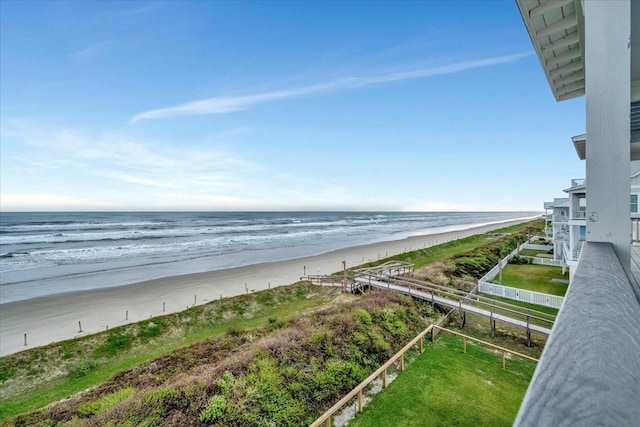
485 285
543 261
537 247
523 295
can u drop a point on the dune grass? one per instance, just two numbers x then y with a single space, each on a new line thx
182 329
445 387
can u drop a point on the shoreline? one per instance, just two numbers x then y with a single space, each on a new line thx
56 317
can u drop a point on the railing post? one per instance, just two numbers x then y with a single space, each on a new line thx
360 400
327 422
384 378
421 345
402 362
464 345
504 360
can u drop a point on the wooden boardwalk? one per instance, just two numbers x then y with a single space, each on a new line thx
463 301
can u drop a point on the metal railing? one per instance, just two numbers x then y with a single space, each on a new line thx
579 214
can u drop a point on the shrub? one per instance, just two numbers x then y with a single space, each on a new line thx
82 368
234 331
364 316
115 341
226 381
105 402
7 372
151 329
214 410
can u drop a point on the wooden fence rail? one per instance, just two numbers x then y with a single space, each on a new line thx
503 350
381 371
399 356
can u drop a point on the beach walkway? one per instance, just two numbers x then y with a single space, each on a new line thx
495 311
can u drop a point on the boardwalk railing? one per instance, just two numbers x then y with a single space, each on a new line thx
523 295
492 309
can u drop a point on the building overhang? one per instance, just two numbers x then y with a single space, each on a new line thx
580 141
556 30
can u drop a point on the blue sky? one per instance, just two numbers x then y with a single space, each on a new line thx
277 106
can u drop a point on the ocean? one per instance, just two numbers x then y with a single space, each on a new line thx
48 253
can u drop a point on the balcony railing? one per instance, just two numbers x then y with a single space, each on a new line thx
589 372
579 214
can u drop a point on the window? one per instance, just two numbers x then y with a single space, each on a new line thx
583 233
634 203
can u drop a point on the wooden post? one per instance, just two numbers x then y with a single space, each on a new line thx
304 270
360 400
402 362
344 276
464 345
421 344
504 360
327 422
384 378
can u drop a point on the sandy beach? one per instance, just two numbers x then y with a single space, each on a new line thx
55 318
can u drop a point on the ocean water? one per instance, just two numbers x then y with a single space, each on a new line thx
49 253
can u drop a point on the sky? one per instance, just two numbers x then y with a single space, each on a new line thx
407 106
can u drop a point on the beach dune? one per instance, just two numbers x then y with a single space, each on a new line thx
63 316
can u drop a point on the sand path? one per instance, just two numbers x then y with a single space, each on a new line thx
55 318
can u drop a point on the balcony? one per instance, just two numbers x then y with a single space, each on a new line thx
579 215
589 372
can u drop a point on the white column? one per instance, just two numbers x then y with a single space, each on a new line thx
607 76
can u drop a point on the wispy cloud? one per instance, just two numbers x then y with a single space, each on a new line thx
228 104
90 52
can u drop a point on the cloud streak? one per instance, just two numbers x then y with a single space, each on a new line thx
229 104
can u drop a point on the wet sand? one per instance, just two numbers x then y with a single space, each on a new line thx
55 318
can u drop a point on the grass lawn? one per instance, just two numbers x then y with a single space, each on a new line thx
445 387
534 278
542 308
532 252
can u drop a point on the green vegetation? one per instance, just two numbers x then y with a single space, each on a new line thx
460 263
257 375
534 278
445 387
37 377
533 252
548 310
